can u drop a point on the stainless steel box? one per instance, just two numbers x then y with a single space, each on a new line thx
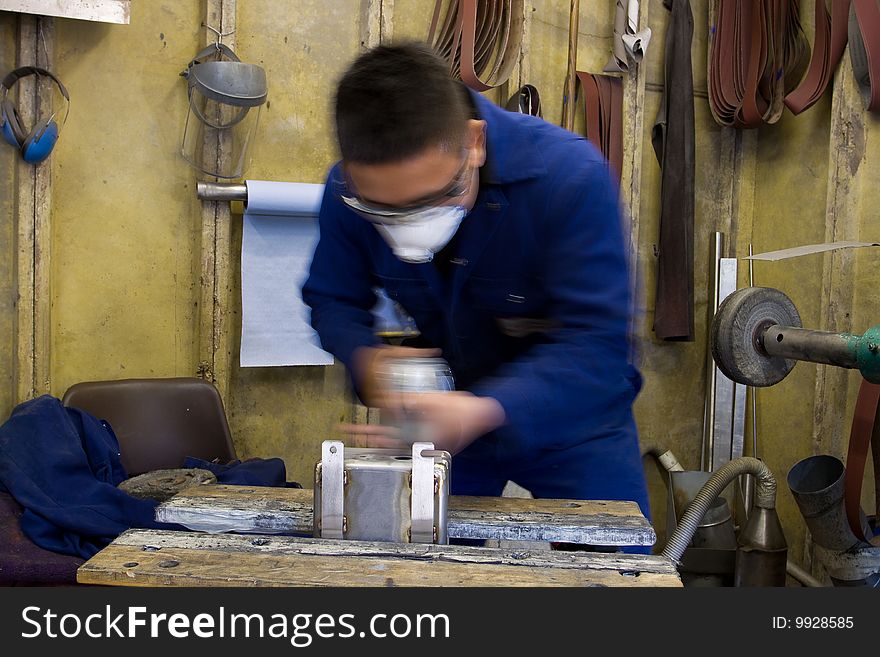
373 494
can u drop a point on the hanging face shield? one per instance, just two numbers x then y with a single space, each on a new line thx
225 97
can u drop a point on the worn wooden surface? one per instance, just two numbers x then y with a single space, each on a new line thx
289 510
215 348
165 558
104 11
33 343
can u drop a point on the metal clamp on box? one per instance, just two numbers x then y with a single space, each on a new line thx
373 494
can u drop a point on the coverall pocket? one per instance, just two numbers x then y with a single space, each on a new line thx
411 293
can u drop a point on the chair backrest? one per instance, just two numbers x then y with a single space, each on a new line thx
158 422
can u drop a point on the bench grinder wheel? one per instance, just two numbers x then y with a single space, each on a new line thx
737 337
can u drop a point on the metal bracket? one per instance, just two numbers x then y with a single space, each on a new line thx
332 488
422 493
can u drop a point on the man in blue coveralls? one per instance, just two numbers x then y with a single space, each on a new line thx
501 236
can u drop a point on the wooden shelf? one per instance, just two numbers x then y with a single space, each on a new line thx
104 11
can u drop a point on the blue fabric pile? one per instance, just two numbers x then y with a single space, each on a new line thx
63 466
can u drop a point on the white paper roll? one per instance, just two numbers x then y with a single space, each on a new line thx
278 239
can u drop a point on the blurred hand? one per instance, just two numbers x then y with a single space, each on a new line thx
450 420
368 365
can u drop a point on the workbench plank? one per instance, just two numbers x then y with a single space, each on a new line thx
265 510
168 558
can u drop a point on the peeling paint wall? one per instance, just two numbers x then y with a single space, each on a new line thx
126 226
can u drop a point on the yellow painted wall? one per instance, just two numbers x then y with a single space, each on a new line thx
126 223
288 411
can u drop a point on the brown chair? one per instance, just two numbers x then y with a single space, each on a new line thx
158 422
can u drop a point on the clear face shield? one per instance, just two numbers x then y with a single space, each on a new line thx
225 98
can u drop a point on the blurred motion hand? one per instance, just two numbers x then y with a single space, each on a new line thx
451 420
368 365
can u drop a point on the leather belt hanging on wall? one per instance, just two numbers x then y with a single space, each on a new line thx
526 100
828 48
865 432
858 22
758 53
864 50
673 141
480 39
603 115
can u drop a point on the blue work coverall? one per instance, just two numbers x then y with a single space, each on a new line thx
533 312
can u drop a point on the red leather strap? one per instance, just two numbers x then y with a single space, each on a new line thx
481 39
603 115
831 37
756 50
865 431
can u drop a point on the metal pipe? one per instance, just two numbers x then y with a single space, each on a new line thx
212 191
802 575
809 345
765 498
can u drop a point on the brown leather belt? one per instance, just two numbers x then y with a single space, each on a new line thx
830 42
480 39
865 431
673 139
603 115
758 52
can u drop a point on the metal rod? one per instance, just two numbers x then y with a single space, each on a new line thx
754 391
729 397
748 482
802 575
211 191
808 345
712 371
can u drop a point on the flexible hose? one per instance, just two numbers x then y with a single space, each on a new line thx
765 497
666 458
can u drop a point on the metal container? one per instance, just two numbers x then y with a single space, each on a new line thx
418 375
414 375
817 484
373 494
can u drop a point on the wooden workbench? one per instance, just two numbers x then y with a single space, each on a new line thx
176 558
263 510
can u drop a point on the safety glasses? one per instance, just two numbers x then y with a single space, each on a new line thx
386 214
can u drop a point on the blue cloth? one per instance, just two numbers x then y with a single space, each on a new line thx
62 465
544 241
253 472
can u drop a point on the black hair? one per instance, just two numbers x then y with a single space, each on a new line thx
395 101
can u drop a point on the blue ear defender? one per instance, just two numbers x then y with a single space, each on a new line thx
11 125
37 144
8 135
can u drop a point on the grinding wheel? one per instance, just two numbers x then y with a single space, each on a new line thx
737 330
163 484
